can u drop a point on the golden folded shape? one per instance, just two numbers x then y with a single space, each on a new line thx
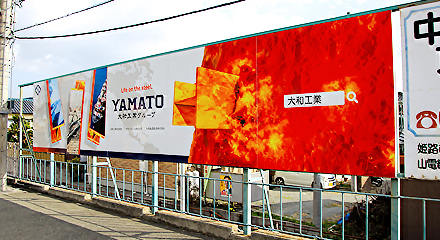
184 107
215 98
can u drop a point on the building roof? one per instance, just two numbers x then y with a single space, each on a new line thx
28 105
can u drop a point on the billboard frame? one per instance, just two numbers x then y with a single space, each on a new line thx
391 8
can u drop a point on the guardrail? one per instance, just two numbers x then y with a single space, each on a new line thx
290 205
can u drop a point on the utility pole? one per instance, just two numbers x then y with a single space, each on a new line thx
6 26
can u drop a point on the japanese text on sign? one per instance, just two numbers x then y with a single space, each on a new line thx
314 99
426 149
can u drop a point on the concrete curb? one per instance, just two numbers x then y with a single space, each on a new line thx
69 194
130 209
35 186
197 224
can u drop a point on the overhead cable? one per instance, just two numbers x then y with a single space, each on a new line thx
19 3
134 25
70 14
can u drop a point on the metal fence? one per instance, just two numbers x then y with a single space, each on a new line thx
286 209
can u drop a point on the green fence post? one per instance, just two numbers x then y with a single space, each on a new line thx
155 186
182 187
247 201
52 169
395 209
94 175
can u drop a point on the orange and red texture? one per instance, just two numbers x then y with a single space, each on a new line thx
352 54
184 107
215 102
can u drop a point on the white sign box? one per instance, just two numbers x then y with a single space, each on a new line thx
421 76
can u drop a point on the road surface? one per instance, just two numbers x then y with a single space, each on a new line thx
31 215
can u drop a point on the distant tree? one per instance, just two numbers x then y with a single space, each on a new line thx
14 130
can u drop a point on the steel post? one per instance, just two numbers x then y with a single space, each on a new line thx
155 186
182 187
52 169
395 209
94 175
354 182
247 201
20 137
317 197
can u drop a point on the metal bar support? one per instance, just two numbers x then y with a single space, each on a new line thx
155 187
94 175
182 187
20 137
247 201
395 209
115 184
424 219
52 169
266 197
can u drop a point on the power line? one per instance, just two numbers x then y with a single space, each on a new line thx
134 25
70 14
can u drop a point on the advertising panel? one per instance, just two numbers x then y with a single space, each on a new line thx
318 98
98 104
55 110
421 65
138 105
225 186
48 117
42 126
47 138
75 118
56 115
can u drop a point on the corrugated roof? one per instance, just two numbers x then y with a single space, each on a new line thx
28 105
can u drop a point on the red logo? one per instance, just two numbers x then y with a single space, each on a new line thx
427 124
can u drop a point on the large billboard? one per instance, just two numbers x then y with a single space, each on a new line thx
420 54
318 98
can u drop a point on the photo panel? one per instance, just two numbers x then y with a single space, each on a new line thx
98 104
75 121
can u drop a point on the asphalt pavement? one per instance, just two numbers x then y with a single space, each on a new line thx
30 215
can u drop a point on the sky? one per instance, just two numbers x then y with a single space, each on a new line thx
36 60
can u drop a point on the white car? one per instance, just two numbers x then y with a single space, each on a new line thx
304 179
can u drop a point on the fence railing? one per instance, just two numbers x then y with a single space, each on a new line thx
343 214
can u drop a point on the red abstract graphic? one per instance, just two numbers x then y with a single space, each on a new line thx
350 55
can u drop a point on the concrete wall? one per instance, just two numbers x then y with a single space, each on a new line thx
412 210
164 167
